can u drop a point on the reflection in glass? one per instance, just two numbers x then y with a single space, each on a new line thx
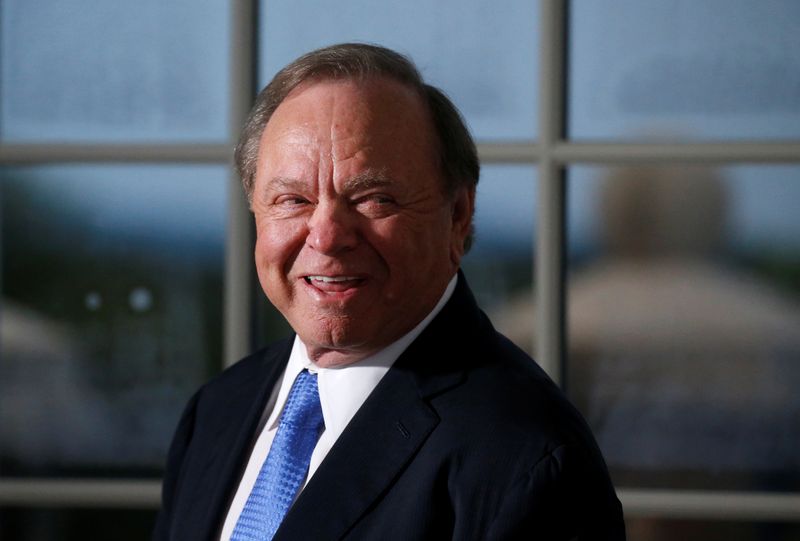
481 53
500 265
104 71
110 314
684 69
683 318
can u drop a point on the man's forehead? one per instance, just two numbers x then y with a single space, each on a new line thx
378 100
345 126
348 115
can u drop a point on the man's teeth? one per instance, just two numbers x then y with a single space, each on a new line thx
332 278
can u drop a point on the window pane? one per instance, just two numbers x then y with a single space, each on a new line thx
110 314
500 265
684 310
482 53
69 71
684 69
53 524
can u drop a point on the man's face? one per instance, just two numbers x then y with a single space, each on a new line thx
356 240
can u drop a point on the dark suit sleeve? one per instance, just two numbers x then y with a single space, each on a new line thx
177 451
565 496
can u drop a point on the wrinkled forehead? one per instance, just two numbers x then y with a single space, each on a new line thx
380 118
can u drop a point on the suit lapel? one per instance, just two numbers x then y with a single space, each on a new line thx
358 468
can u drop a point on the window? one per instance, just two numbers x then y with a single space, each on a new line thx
645 155
683 310
113 210
493 80
682 292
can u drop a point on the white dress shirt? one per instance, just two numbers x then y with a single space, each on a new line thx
342 391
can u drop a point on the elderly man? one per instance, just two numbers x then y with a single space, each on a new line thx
396 411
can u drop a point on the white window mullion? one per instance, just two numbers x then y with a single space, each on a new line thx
718 505
39 153
549 250
726 152
96 493
237 316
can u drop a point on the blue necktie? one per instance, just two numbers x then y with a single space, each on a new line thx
286 465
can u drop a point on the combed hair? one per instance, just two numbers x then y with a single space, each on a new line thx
457 155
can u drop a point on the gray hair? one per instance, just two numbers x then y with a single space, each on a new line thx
457 155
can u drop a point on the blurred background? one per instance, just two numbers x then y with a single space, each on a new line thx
650 149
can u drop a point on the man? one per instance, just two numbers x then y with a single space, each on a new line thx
396 412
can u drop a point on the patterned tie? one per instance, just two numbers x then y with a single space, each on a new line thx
286 465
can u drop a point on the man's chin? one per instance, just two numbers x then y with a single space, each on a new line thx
326 357
335 345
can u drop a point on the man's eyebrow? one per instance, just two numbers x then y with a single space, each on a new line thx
284 183
365 180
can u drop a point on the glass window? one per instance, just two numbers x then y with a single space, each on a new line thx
111 71
684 69
110 314
481 53
684 307
500 265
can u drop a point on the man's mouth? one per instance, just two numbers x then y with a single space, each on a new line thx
333 284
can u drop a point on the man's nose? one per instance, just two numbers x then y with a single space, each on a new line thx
332 228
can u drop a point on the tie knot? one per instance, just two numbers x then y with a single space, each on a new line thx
303 410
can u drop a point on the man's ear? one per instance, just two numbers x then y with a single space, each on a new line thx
463 207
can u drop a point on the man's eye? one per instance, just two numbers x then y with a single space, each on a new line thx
376 205
378 199
291 200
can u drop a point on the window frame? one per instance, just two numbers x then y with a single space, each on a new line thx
552 153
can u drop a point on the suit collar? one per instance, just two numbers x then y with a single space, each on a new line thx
446 344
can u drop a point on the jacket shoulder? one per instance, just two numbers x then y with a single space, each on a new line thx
248 373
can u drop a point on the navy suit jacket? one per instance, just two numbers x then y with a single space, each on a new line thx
464 438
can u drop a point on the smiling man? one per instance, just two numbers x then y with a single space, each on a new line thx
396 411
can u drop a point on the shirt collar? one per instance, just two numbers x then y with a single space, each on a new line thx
342 390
